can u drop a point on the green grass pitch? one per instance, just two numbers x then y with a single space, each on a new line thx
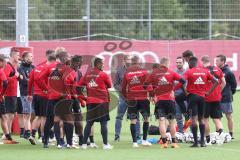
123 150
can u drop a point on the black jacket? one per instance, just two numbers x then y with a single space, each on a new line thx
231 85
24 70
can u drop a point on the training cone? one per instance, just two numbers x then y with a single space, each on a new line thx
15 126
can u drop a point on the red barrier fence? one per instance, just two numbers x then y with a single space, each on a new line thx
150 51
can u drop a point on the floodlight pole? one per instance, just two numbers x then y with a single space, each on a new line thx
22 23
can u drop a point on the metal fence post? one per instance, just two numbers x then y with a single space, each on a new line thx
210 21
22 23
88 20
149 19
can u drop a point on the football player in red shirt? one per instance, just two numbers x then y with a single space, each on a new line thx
162 80
56 91
137 98
78 98
75 97
71 81
3 117
12 75
97 83
197 79
39 97
213 100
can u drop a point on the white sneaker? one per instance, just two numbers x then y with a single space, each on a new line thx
51 140
32 140
39 140
75 143
59 146
208 144
84 146
146 143
107 147
72 147
3 137
135 145
93 145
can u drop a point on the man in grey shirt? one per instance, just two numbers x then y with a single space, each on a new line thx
122 105
180 97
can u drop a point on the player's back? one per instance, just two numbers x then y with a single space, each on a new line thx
163 82
216 94
97 83
135 77
197 79
36 73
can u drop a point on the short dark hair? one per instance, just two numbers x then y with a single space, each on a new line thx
222 58
49 51
155 65
51 57
180 57
76 58
193 62
24 55
187 53
97 61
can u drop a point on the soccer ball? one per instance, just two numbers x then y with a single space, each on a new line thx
188 137
179 137
213 137
228 138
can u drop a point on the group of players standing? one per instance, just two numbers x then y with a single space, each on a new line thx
56 91
203 90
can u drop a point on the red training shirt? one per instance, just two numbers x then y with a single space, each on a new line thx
162 81
216 95
55 87
12 80
133 84
34 81
2 78
97 83
197 79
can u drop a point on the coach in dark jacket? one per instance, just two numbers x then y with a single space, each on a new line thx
231 85
24 70
228 91
25 109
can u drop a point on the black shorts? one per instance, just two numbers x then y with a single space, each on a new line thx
2 108
136 106
19 106
213 110
76 109
40 105
165 108
51 107
11 104
196 105
97 112
76 106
